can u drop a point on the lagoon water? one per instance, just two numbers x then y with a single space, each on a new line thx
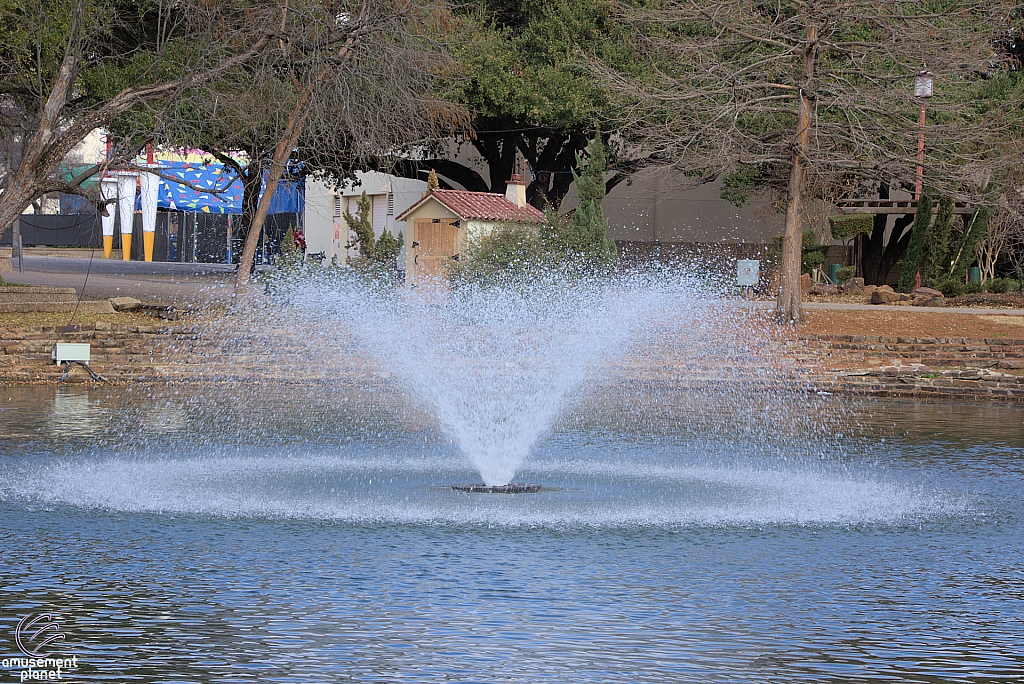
180 535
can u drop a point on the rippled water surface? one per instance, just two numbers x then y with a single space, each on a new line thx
292 535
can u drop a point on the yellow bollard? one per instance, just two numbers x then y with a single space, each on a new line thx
126 246
147 244
108 245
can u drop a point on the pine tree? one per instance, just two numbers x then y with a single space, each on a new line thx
362 228
385 252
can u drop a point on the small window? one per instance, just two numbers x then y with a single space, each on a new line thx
391 204
337 205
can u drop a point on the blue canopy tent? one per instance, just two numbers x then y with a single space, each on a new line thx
214 189
207 197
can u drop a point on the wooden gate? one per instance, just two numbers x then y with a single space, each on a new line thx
437 242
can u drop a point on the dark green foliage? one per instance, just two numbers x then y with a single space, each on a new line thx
964 254
507 254
845 273
950 287
812 253
920 236
936 258
588 234
998 285
381 252
385 252
291 256
847 226
974 287
740 184
362 228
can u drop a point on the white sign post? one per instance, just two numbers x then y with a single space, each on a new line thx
748 274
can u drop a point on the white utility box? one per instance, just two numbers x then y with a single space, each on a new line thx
748 272
70 351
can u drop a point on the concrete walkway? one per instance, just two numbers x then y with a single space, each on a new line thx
183 284
843 306
156 282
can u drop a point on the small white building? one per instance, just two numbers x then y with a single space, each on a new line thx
439 224
325 227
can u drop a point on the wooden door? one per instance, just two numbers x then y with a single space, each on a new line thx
436 243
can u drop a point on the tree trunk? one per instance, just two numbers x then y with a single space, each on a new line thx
788 309
277 167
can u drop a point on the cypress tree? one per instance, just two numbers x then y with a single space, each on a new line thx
588 236
919 238
362 228
936 264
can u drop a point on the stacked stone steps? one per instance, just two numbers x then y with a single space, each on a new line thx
961 352
33 299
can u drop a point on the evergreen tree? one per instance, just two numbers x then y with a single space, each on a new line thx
587 236
920 237
936 259
291 256
362 228
385 252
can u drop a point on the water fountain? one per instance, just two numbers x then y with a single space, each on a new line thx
497 366
700 518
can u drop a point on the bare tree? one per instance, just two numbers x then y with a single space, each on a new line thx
1005 237
808 94
361 78
113 65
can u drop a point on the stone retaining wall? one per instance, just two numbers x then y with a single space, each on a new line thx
119 352
937 352
959 368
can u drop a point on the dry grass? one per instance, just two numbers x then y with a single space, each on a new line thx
887 323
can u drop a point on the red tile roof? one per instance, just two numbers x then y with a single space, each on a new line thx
487 206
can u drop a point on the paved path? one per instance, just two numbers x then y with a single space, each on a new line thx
157 282
844 306
181 284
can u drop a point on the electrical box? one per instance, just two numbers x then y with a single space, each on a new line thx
748 272
70 351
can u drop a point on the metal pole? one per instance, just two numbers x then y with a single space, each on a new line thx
16 236
920 155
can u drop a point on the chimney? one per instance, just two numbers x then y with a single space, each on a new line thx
515 190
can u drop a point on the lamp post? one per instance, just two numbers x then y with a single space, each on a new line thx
923 84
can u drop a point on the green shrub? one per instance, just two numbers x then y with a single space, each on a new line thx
506 254
1012 284
997 285
951 287
812 253
846 226
375 254
844 274
974 288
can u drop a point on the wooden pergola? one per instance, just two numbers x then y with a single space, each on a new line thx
884 206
